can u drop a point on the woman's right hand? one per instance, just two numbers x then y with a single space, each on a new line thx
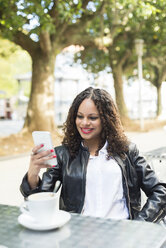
38 161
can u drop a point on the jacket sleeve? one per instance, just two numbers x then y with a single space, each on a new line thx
155 207
47 183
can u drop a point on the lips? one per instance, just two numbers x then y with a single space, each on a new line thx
87 130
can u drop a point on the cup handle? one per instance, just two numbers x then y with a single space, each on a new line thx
24 208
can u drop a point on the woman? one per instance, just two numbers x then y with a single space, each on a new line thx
100 170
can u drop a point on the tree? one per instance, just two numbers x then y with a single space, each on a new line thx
156 70
44 28
154 32
114 33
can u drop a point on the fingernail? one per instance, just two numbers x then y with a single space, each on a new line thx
42 145
54 156
51 150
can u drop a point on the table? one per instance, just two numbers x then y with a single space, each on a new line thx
81 232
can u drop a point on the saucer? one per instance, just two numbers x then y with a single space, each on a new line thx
59 220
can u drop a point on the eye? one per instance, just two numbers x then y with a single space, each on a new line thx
93 118
79 116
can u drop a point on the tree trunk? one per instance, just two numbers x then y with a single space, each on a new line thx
159 107
40 112
118 85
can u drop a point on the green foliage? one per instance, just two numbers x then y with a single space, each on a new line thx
154 32
49 23
13 61
117 27
33 16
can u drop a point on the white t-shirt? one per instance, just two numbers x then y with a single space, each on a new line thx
104 191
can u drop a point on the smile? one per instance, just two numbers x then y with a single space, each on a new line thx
87 130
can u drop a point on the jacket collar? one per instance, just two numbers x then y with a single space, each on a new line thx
103 150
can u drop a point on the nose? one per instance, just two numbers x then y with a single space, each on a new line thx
85 122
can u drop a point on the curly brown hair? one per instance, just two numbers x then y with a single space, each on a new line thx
112 130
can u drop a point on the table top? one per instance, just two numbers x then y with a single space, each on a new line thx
81 232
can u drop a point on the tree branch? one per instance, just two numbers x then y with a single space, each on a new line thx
85 3
54 11
125 57
88 17
74 29
25 42
163 74
45 42
54 14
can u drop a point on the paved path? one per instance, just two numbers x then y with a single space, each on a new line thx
147 141
11 173
8 127
12 170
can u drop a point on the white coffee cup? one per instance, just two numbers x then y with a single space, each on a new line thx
42 207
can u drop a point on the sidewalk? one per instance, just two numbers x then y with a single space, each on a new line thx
8 127
147 141
11 174
12 170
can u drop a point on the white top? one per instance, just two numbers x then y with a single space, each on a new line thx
104 191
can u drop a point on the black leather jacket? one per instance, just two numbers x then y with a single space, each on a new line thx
137 175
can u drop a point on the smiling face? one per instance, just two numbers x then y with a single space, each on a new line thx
88 122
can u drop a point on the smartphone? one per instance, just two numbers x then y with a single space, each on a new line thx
44 137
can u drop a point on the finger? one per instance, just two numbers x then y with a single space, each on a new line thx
41 165
36 148
43 160
37 159
44 154
44 166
